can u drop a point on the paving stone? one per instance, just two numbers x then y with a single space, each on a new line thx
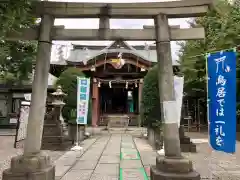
103 177
94 147
112 150
130 164
129 150
130 141
85 165
108 169
61 170
77 175
66 161
69 154
133 174
148 160
96 151
148 154
89 157
116 153
130 155
127 145
110 159
147 170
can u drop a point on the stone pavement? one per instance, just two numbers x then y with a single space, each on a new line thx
7 151
109 157
121 155
125 156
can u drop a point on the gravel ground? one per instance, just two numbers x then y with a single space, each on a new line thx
7 152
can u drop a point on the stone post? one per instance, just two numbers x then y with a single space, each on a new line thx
104 21
33 165
172 165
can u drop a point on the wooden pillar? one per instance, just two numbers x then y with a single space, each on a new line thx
95 103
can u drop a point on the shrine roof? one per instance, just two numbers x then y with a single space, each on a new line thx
85 53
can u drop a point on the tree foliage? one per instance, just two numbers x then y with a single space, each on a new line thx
16 58
14 15
68 81
222 28
150 105
16 66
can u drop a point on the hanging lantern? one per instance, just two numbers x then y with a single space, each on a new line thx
110 84
99 84
93 68
136 85
143 69
126 85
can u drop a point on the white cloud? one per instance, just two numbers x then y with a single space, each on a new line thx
114 24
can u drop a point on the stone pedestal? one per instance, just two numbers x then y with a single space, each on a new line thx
72 132
173 169
185 142
35 167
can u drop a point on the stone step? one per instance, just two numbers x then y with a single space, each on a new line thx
133 121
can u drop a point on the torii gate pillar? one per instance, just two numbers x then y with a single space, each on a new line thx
33 165
173 165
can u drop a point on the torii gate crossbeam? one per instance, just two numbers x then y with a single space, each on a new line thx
173 9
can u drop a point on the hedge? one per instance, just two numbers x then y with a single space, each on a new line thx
150 105
68 81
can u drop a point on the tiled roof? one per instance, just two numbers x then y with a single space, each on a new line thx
85 53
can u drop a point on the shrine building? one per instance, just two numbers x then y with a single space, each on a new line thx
116 73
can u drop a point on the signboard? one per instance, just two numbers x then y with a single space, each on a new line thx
83 90
22 124
178 87
221 68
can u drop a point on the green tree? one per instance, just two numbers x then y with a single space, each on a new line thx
17 65
68 81
222 28
150 105
16 58
14 15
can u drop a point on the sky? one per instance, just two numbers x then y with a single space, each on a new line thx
114 24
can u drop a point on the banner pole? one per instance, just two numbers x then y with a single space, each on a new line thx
77 136
211 153
77 147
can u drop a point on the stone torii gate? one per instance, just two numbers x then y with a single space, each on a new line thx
33 165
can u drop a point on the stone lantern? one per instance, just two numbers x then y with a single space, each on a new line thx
58 96
58 103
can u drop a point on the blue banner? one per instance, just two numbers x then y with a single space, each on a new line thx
83 90
221 69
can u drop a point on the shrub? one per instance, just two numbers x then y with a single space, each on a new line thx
150 105
68 81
